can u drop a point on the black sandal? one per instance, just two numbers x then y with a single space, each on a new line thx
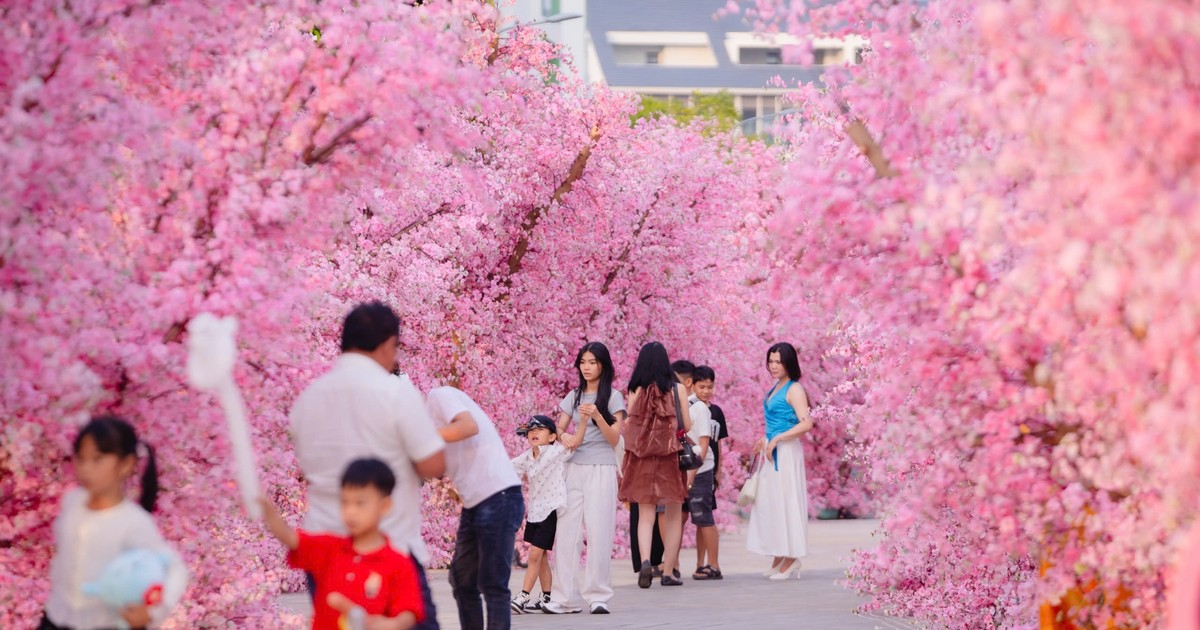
714 574
703 573
670 580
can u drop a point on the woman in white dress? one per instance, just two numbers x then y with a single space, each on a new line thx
779 516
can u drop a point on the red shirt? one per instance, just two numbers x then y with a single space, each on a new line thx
383 582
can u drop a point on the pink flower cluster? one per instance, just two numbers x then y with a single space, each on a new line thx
279 161
1001 204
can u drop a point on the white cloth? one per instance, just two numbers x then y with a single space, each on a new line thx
360 410
547 480
702 426
479 465
591 503
779 516
85 542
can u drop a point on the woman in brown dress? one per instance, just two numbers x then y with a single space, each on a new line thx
651 474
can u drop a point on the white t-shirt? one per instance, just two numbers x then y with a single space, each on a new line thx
547 479
479 465
702 426
85 542
361 410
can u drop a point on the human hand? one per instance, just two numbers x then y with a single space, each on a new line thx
569 441
588 411
136 616
761 446
769 451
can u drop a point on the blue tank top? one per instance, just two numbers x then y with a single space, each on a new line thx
779 414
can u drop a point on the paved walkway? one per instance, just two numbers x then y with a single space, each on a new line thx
817 600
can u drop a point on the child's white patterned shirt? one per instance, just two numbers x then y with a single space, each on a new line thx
547 479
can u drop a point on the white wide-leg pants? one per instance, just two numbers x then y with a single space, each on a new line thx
591 505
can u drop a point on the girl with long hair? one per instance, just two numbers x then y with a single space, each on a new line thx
779 516
588 424
651 477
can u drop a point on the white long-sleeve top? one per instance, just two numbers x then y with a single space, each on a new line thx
85 541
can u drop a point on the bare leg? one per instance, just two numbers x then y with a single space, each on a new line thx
531 571
701 547
645 531
672 533
712 541
547 576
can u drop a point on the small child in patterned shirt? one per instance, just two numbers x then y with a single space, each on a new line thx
542 466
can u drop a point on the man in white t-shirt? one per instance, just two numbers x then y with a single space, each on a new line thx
493 507
359 409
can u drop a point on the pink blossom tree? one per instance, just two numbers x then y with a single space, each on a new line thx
280 161
1002 199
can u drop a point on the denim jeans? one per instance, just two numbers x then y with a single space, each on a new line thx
483 557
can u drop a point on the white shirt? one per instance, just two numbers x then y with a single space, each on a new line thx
547 479
702 426
479 465
85 542
361 410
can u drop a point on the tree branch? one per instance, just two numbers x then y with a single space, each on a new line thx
862 138
314 155
535 214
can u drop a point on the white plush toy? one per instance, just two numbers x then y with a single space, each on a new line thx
212 352
134 578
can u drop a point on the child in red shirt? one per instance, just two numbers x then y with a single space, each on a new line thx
360 570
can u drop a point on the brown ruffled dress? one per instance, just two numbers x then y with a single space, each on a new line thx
650 472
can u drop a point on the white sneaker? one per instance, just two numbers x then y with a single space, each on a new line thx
599 608
519 603
555 608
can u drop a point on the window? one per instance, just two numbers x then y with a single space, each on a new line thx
551 7
652 57
749 113
774 56
828 56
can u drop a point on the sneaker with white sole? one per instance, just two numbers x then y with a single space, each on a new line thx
520 603
599 608
555 608
535 603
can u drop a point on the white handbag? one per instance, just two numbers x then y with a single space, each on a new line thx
749 491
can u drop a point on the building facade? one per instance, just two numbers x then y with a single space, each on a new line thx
671 48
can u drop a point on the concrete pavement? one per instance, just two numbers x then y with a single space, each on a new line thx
817 600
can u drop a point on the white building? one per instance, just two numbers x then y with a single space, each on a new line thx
672 48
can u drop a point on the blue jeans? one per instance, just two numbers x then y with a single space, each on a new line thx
430 623
483 557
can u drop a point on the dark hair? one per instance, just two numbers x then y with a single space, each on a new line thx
604 387
652 367
369 472
683 367
369 325
115 436
704 373
787 355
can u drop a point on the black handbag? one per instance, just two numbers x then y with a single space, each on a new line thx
688 460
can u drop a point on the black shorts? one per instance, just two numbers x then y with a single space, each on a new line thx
541 533
701 500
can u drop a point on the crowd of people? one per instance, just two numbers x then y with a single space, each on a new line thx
365 439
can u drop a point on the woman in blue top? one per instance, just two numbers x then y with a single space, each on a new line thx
779 516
